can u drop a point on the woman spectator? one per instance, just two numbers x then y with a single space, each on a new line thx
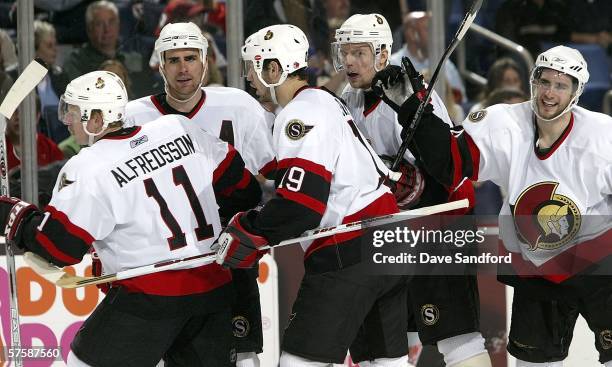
45 47
504 73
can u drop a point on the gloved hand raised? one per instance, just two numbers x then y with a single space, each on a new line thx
394 84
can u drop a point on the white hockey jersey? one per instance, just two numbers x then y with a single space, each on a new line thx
326 170
556 199
228 113
379 123
144 195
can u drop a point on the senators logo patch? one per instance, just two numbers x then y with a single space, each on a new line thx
296 129
430 314
544 219
269 35
477 116
379 19
64 181
605 339
241 326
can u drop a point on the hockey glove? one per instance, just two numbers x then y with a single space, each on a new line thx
409 108
415 78
13 212
238 248
406 185
389 84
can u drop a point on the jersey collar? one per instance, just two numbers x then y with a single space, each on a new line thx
544 154
162 105
125 133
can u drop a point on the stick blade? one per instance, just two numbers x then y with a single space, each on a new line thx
469 19
27 81
42 267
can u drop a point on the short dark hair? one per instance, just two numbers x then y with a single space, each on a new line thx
502 95
301 74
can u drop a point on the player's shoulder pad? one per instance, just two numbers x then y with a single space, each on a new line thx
231 96
138 109
501 117
76 169
594 127
138 105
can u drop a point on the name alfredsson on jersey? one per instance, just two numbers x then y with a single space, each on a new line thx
153 159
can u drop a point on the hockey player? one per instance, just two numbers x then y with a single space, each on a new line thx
362 48
327 175
552 218
233 116
140 195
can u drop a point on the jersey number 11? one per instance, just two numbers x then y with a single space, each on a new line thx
203 231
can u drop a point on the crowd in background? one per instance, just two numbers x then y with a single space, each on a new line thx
73 37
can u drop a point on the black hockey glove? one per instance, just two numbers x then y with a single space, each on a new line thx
407 184
415 78
389 84
13 213
239 248
409 108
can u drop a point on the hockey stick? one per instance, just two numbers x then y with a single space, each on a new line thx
72 281
27 81
411 129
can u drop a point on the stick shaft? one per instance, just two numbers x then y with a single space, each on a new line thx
70 281
411 129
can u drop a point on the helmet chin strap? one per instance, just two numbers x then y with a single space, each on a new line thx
91 136
272 87
273 94
534 107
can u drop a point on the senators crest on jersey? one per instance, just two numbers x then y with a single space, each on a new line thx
64 181
545 219
296 129
477 115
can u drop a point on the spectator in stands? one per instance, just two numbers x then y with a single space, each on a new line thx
45 47
531 22
416 38
102 19
6 81
213 77
115 66
46 149
592 22
504 73
9 56
337 9
505 95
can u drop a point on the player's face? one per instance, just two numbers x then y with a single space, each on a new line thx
358 60
263 92
183 69
553 91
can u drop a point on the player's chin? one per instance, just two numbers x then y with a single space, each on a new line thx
356 83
